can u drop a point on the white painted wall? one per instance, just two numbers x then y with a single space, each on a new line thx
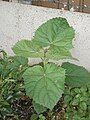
18 21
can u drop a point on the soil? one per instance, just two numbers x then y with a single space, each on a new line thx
24 109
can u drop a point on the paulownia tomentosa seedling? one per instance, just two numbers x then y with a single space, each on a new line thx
52 40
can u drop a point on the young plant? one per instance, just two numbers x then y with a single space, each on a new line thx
77 103
52 40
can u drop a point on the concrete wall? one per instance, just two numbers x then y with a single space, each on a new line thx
19 21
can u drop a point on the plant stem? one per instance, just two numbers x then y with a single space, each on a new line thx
44 60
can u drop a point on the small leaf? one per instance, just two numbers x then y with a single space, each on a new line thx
83 105
39 108
41 117
67 99
45 85
83 89
75 101
27 49
77 90
76 76
34 117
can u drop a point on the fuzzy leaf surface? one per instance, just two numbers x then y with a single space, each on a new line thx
57 35
76 76
45 85
27 48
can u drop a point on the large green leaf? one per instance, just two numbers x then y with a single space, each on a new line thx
57 35
27 48
45 85
76 76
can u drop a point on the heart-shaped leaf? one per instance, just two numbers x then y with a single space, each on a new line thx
76 76
57 35
45 85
